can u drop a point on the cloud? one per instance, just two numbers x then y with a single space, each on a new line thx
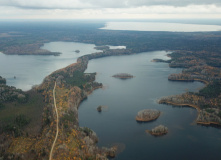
93 4
176 3
110 9
149 12
47 4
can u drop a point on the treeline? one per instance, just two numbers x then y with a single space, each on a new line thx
77 78
2 80
10 94
89 32
16 126
212 90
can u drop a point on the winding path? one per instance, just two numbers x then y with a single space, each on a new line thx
57 121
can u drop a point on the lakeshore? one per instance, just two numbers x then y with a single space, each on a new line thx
193 106
186 80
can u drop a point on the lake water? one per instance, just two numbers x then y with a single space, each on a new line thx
31 70
124 98
160 26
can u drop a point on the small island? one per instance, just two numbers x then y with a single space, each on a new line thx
123 76
158 131
99 108
77 51
147 115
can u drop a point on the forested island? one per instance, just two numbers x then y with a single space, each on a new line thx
147 115
28 119
123 76
158 131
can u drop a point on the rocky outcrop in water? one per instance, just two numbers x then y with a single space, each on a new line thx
99 108
77 51
147 115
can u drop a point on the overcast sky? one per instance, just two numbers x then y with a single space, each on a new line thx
109 9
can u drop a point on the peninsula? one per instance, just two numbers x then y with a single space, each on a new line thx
72 87
203 69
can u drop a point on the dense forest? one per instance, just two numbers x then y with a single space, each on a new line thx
26 37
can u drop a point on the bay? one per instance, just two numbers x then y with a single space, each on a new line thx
116 125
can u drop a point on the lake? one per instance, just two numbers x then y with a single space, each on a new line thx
160 26
124 98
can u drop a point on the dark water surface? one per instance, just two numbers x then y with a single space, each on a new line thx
124 98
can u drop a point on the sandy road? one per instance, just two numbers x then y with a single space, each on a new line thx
57 121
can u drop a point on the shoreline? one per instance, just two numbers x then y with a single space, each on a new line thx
192 80
177 104
192 106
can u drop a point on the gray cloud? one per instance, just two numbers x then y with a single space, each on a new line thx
85 4
175 2
138 3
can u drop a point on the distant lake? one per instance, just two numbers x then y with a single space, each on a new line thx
160 26
116 124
